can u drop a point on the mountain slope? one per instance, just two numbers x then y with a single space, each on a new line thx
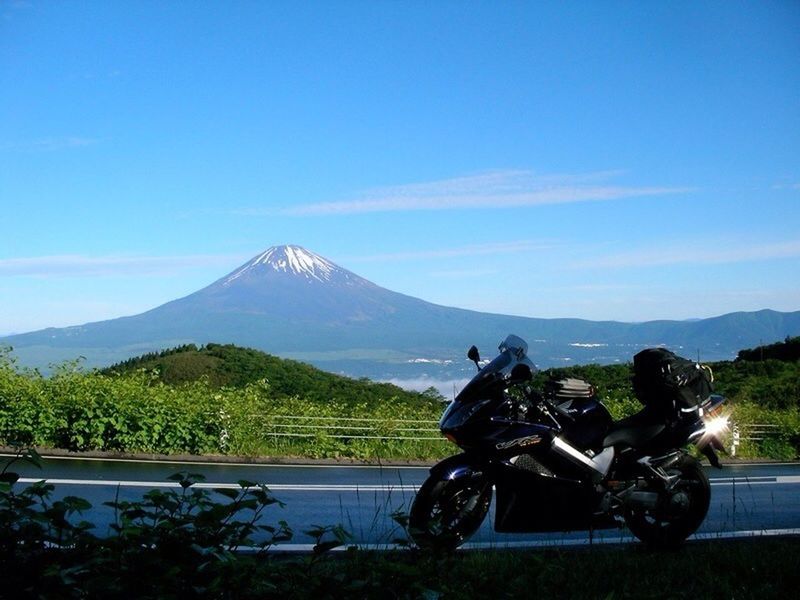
294 303
233 366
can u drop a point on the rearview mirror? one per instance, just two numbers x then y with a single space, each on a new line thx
474 356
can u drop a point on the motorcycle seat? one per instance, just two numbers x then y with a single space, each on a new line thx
634 431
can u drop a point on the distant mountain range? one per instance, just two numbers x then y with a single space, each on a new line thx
293 303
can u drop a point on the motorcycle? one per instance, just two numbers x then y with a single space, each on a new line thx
561 463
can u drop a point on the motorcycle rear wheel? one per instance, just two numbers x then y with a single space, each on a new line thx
680 514
446 512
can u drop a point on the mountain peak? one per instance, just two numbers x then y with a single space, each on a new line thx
291 260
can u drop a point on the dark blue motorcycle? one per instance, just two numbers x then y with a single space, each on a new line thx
557 461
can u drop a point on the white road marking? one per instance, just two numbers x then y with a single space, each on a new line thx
282 487
312 466
312 487
776 480
226 464
554 543
723 535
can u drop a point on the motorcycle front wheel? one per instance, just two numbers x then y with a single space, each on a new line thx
446 512
679 512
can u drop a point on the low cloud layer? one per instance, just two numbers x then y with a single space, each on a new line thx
446 387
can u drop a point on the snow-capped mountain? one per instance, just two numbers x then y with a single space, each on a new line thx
295 283
292 302
292 260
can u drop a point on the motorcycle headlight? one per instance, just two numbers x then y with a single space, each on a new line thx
717 426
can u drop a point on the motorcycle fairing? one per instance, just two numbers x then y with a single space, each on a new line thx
530 500
501 437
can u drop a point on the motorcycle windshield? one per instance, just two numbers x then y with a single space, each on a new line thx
492 378
488 375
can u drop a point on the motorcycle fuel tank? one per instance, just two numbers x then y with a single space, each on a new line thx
587 422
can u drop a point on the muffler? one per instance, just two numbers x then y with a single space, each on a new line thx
641 499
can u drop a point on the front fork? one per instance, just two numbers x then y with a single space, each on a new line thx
709 452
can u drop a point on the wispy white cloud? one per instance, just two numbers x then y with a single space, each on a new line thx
9 8
494 189
49 144
513 247
700 254
463 273
76 265
594 288
786 186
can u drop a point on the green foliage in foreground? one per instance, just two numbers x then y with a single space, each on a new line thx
183 544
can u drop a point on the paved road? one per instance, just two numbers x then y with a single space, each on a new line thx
745 498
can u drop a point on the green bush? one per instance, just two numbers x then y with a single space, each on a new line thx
136 412
783 440
178 543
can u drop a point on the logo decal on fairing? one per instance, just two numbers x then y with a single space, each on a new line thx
519 442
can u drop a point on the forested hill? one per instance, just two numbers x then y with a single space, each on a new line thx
788 350
232 366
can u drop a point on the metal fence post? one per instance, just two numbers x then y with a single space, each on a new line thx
734 439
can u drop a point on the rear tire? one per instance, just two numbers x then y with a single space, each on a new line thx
679 513
446 512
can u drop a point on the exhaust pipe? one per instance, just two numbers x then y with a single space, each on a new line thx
641 499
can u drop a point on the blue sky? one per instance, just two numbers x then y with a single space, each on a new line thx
619 160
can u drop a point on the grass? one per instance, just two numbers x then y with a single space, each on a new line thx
757 568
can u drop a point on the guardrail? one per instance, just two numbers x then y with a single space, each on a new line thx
344 428
755 432
352 428
422 430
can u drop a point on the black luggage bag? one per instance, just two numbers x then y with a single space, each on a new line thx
665 381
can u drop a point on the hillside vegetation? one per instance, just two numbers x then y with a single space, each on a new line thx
232 366
787 350
221 399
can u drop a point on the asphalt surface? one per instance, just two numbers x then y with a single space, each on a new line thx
747 499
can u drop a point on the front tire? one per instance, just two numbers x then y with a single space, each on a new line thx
679 512
446 512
